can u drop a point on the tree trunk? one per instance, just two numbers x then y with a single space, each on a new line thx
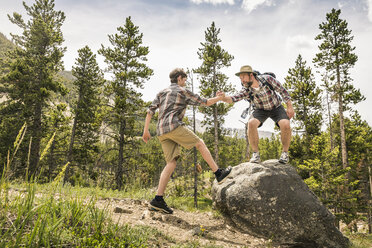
342 125
194 149
247 155
36 139
52 160
215 134
330 122
342 134
370 197
195 160
71 146
119 170
215 120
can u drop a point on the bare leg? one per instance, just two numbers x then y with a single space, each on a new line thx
165 176
253 133
203 149
285 134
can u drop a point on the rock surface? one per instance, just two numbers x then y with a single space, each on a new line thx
271 200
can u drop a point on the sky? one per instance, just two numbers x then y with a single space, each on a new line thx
266 34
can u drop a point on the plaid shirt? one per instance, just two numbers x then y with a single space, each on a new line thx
172 103
264 98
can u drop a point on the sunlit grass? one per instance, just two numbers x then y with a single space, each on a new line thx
360 240
56 215
33 218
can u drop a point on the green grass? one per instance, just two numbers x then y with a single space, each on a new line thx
65 216
185 203
61 216
360 240
176 196
72 221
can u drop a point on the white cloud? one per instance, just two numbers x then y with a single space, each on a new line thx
369 4
300 42
214 2
250 5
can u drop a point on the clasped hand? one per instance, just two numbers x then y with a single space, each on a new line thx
220 95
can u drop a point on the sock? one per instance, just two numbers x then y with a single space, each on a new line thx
218 172
159 198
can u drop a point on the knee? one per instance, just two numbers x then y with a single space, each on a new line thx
200 144
171 164
253 123
284 125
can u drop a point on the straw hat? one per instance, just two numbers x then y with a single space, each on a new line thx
245 68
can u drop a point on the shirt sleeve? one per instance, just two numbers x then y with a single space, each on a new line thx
279 88
240 95
194 99
154 105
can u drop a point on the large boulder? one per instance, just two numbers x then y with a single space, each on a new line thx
271 200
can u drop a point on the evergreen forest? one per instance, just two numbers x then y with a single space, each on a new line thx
83 128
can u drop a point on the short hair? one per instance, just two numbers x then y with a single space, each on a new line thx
173 75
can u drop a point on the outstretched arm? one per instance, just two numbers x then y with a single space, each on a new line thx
227 99
237 97
220 95
146 134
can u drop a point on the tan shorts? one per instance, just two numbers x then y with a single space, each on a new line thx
171 142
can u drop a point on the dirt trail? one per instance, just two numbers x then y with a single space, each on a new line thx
181 226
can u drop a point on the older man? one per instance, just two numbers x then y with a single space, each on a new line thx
262 91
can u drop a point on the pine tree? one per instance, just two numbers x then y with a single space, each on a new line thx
336 57
214 58
325 179
306 100
125 62
57 126
87 121
35 62
358 141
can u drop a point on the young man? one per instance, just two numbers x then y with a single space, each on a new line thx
266 103
173 133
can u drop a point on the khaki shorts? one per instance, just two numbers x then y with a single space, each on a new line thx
171 142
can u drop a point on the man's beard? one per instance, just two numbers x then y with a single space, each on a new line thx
247 84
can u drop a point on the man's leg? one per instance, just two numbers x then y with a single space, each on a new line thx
188 139
253 133
165 176
204 151
285 133
158 202
221 174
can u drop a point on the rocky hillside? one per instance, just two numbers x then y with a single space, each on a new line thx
5 45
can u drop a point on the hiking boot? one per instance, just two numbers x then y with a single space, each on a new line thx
223 176
284 158
255 158
160 206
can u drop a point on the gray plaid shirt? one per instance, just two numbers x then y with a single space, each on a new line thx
172 103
